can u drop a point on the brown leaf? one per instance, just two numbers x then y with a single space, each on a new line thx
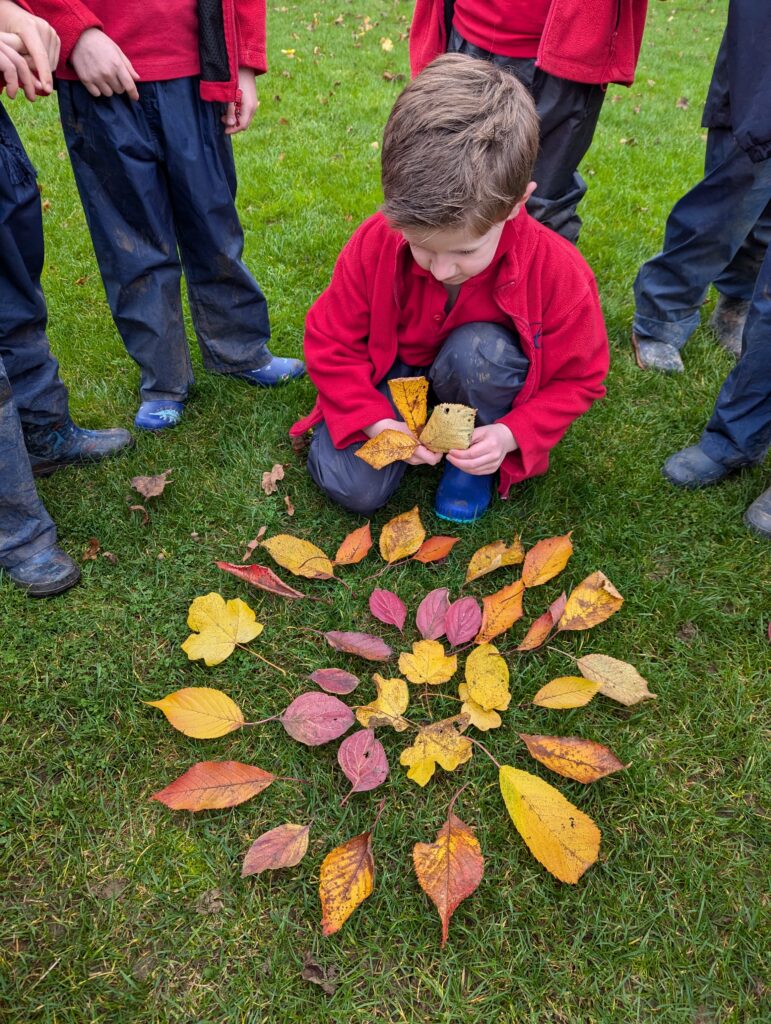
593 601
254 543
616 679
271 478
402 536
110 557
262 577
288 505
449 429
334 680
539 631
546 559
682 103
214 784
143 510
324 977
92 550
386 447
582 760
435 549
315 718
410 396
281 847
365 645
151 486
493 556
355 547
210 902
500 611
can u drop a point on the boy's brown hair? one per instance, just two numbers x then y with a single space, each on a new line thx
459 147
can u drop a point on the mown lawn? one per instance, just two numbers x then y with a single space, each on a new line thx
108 913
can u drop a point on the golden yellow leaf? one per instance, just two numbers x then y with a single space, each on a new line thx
299 556
200 712
582 760
428 663
566 692
410 396
219 626
450 427
439 743
392 700
546 559
346 879
478 716
386 447
487 678
500 611
493 556
593 601
565 840
402 536
616 679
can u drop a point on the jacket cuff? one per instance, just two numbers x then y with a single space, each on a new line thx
529 448
349 428
255 59
70 27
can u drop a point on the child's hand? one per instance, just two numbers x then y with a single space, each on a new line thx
238 116
489 447
33 40
420 457
102 66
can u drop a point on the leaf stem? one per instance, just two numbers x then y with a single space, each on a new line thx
379 812
452 802
262 721
254 654
486 751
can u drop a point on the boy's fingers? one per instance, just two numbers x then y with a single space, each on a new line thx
33 44
127 82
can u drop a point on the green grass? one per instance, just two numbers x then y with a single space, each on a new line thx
101 918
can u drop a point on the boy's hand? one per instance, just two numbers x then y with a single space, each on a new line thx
35 42
102 66
14 68
489 447
238 116
420 457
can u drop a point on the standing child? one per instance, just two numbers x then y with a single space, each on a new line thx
149 95
454 280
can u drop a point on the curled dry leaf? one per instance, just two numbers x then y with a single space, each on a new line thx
449 428
487 678
151 486
435 549
501 610
271 478
334 680
324 977
254 543
432 612
315 718
386 447
363 760
593 601
218 627
262 577
410 396
143 510
493 556
390 704
388 608
92 550
546 559
299 556
288 505
355 547
200 712
463 621
402 536
214 784
440 743
565 840
428 663
566 692
616 679
365 645
540 630
281 847
347 878
582 760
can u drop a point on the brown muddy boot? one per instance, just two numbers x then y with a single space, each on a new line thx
727 321
656 355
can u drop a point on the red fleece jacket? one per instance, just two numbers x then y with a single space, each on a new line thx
542 286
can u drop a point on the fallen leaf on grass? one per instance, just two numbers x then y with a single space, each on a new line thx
428 663
363 760
210 902
616 679
151 486
540 630
270 479
91 551
582 760
347 878
593 601
200 712
546 559
386 447
566 692
463 620
402 536
435 549
432 612
280 847
288 505
387 607
494 556
355 547
487 678
324 977
315 718
439 743
481 718
143 510
254 543
214 784
501 610
334 680
449 428
110 557
218 627
299 556
365 645
410 396
262 577
388 707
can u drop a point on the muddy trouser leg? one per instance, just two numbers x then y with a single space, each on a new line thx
346 479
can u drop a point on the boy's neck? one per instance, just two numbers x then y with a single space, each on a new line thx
453 290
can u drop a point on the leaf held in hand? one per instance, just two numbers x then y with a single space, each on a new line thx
431 614
428 663
388 608
390 704
450 427
346 879
355 546
440 743
487 678
299 556
151 486
566 692
334 680
316 718
363 760
218 626
281 847
365 645
617 680
463 621
262 577
501 610
200 712
582 760
435 549
593 601
214 784
546 559
493 556
410 396
386 447
540 630
402 536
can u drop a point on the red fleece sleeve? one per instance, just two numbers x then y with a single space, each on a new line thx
70 19
250 18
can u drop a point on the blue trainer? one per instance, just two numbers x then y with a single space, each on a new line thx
277 371
158 415
461 497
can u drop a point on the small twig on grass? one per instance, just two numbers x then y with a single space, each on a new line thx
256 655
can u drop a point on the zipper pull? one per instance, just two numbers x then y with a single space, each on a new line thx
237 107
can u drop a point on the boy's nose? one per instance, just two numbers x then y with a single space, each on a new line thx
442 269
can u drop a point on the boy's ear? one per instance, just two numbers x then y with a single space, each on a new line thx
531 187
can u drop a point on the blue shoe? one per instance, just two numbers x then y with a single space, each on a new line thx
277 371
692 467
49 572
50 448
159 415
461 497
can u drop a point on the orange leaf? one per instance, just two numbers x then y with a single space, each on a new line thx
566 692
281 847
402 536
355 547
540 629
212 784
593 601
500 611
582 760
347 878
435 549
386 447
546 559
493 556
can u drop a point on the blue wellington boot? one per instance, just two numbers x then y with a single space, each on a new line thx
461 497
159 415
45 574
692 467
277 371
50 448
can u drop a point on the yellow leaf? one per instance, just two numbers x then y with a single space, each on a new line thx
449 428
593 601
200 712
616 679
478 716
493 556
386 44
546 559
428 663
346 879
565 840
386 447
392 700
299 556
410 396
219 626
402 536
487 678
566 692
500 611
439 743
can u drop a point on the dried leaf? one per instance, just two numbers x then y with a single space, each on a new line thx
493 556
355 547
143 510
262 577
347 878
487 678
200 712
388 608
390 704
546 559
363 760
315 718
449 428
501 610
449 869
299 556
540 630
288 505
218 626
402 536
324 977
593 601
92 550
432 612
270 479
478 716
435 549
334 680
463 620
386 447
565 840
410 396
439 743
582 760
365 645
566 692
616 679
214 784
428 663
151 486
252 544
281 847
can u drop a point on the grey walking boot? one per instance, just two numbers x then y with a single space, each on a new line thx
49 572
727 321
51 447
758 515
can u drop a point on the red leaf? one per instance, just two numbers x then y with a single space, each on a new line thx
364 644
282 847
464 617
364 761
432 612
334 680
435 549
540 629
387 607
214 784
315 718
262 577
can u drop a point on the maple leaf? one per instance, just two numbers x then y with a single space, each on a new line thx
391 702
481 718
218 627
214 784
200 711
616 679
299 556
386 447
428 663
493 556
281 847
566 692
402 536
546 559
487 678
582 760
439 743
410 396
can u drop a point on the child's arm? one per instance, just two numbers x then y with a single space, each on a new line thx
250 21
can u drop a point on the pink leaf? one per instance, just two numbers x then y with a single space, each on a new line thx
261 576
315 718
432 612
387 607
464 617
365 645
334 680
282 847
364 761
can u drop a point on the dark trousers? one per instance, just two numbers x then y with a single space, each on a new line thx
157 182
31 392
568 113
480 364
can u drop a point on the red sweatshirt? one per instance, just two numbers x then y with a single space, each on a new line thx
541 286
512 28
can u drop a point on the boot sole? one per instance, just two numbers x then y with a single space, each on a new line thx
47 589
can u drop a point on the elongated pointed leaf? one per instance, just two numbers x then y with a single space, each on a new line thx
617 680
299 556
316 718
200 711
432 612
566 692
365 645
540 630
347 878
593 601
449 869
582 760
262 577
410 396
386 447
388 608
363 760
494 556
463 621
435 549
214 784
281 847
501 610
402 536
355 547
546 559
334 680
